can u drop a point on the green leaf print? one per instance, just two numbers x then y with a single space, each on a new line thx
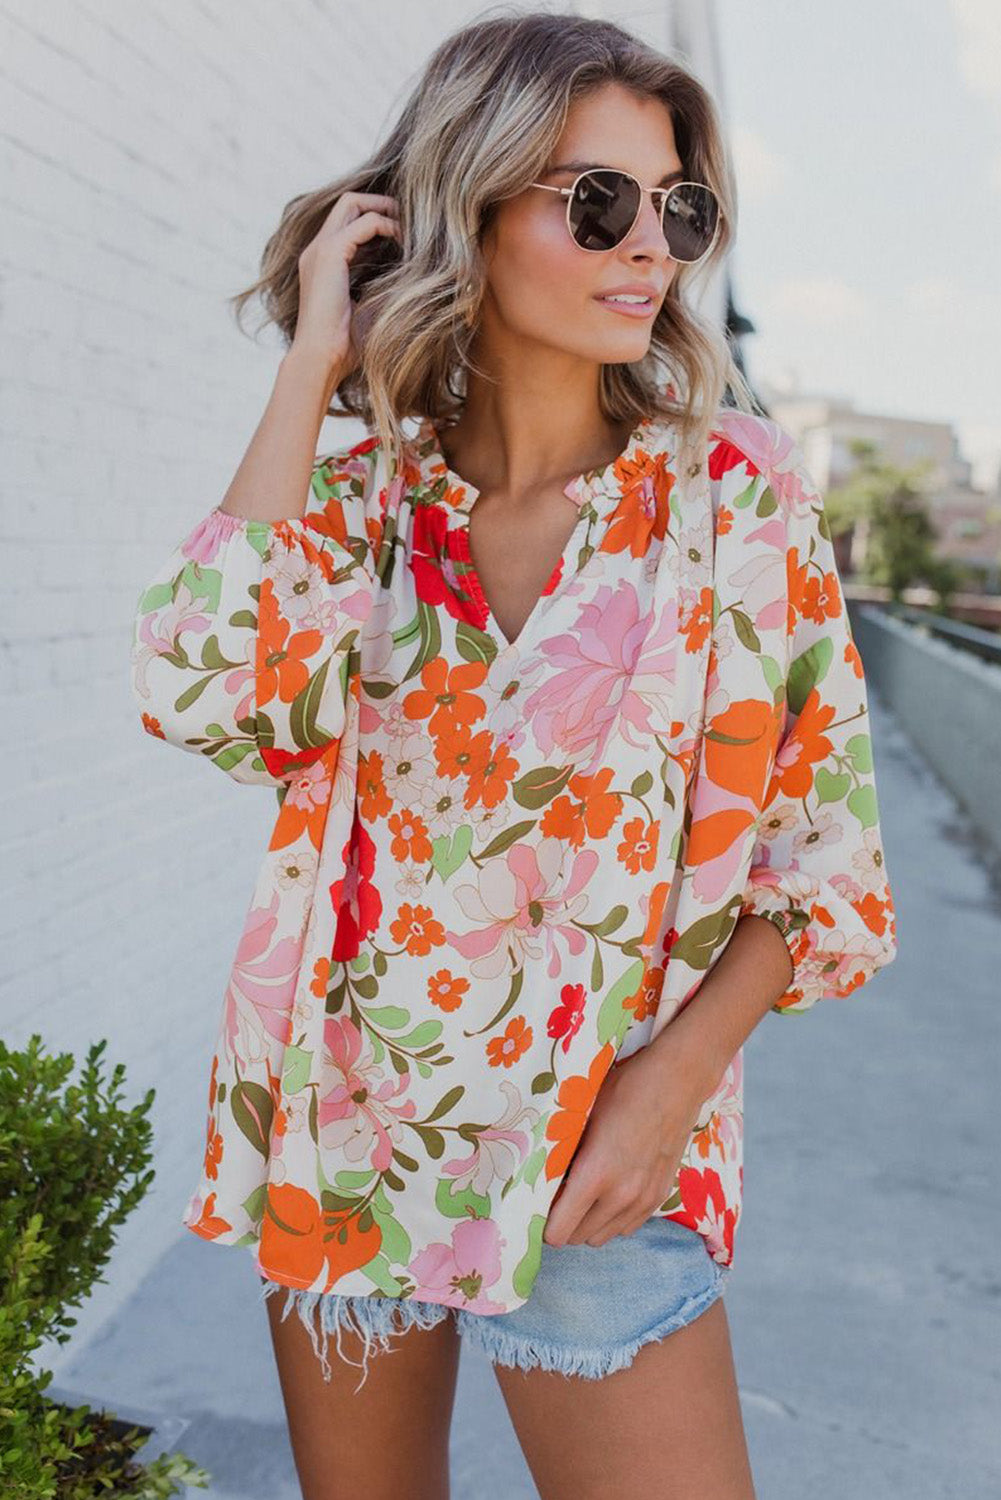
831 788
393 1016
306 733
203 583
772 673
253 1111
233 754
507 838
859 747
746 633
613 1018
459 1205
540 785
473 644
259 536
155 597
698 944
296 1072
527 1268
449 853
862 802
743 500
806 671
767 504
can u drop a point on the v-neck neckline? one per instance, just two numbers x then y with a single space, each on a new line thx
591 492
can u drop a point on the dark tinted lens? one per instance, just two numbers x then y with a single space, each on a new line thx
603 209
690 215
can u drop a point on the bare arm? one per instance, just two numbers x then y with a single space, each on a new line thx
272 481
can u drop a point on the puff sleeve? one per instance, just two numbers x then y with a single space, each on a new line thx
242 648
818 869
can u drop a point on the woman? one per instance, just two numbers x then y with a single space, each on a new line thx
569 738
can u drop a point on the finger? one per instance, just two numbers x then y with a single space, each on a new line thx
571 1203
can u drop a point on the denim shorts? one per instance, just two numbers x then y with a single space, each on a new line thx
591 1307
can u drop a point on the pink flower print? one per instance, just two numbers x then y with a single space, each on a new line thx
588 690
761 585
500 1149
244 677
311 788
158 631
457 1274
261 989
521 901
202 545
357 1116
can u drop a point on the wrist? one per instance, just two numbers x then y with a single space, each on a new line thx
690 1050
312 365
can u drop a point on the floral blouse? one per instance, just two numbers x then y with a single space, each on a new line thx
499 867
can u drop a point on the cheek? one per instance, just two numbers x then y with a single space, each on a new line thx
541 272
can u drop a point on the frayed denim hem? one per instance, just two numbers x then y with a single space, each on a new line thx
526 1353
375 1319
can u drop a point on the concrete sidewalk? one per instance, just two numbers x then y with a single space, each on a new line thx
865 1302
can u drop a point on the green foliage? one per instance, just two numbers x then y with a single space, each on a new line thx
889 505
73 1165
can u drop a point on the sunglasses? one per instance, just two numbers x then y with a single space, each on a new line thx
603 205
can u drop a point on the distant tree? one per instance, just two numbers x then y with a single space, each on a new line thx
888 505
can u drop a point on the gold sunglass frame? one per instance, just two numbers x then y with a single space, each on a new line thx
568 192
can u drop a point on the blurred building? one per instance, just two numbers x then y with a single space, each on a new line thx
967 519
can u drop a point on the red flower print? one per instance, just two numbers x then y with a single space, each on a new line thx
355 898
565 1021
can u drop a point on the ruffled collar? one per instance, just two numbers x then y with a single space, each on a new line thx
594 486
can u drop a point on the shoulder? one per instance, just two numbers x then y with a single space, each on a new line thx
749 453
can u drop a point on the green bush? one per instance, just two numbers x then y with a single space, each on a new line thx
73 1165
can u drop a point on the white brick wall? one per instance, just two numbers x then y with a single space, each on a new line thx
145 154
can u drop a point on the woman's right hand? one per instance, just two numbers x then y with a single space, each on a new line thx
326 324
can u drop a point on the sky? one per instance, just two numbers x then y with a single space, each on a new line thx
866 141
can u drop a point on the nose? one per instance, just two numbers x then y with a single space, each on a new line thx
647 234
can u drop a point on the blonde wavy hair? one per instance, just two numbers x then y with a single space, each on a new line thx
478 127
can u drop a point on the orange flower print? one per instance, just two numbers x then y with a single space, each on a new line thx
293 1236
575 1098
446 698
586 810
647 998
447 990
373 799
796 581
508 1048
451 748
152 726
638 848
697 620
802 749
644 511
213 1150
724 520
410 837
852 657
281 656
821 598
740 745
208 1224
417 930
491 769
